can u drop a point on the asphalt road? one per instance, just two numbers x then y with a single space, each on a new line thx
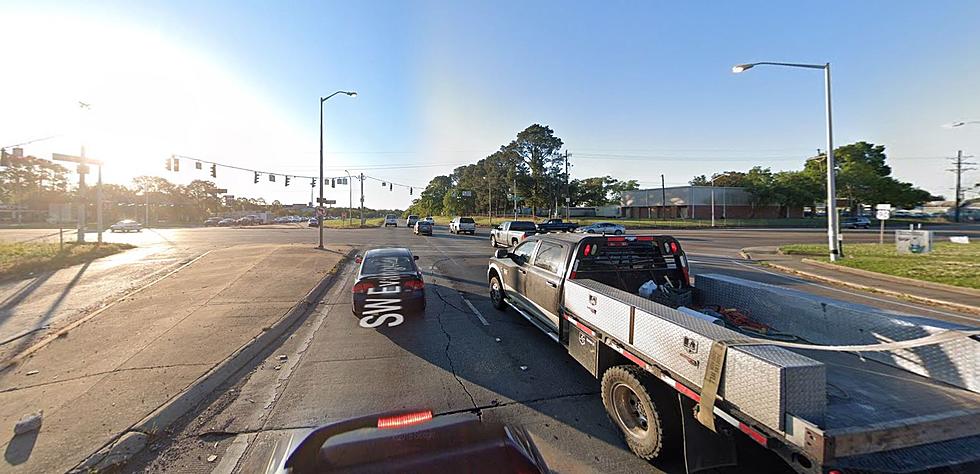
460 355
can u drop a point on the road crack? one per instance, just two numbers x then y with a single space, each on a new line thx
449 342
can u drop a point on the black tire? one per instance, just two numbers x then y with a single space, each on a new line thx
650 430
590 231
493 241
618 232
496 292
513 242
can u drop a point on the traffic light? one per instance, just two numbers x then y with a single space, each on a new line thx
287 180
4 158
169 164
333 183
312 182
176 165
390 187
256 177
272 178
214 170
410 191
383 184
197 165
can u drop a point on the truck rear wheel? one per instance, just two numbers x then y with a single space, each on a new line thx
650 431
496 292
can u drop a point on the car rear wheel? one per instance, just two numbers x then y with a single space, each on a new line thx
496 292
493 241
649 430
618 232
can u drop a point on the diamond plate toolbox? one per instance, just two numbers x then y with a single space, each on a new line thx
763 382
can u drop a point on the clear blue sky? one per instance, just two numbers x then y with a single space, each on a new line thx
635 89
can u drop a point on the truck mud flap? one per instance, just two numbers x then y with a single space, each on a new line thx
703 448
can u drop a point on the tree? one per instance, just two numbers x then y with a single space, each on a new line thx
32 182
701 180
537 146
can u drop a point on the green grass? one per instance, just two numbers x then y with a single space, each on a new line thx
949 263
17 260
662 223
355 223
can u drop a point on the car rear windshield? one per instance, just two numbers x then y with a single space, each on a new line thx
387 264
522 225
390 216
465 220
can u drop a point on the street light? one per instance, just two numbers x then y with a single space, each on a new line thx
961 123
320 202
833 229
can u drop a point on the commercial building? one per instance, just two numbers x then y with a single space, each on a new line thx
695 202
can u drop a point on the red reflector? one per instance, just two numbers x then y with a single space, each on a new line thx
673 247
362 287
615 239
587 251
414 284
571 276
407 419
644 238
834 471
755 435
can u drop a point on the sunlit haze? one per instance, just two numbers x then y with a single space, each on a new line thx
634 90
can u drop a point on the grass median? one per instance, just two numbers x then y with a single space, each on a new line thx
19 259
660 223
949 263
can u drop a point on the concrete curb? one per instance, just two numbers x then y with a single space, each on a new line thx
835 281
128 444
893 278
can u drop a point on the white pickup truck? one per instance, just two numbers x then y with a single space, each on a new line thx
812 384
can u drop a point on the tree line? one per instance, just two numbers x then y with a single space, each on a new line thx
863 177
532 167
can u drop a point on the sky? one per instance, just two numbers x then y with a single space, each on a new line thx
635 89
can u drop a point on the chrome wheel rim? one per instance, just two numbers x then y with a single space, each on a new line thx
495 290
630 413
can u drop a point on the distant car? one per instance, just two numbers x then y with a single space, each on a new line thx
243 221
556 225
423 227
430 219
462 225
602 228
313 222
412 219
226 222
856 223
126 225
390 276
212 221
391 220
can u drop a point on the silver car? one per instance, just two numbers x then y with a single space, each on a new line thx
126 225
602 228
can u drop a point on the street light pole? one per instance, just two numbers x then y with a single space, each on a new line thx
833 222
712 201
320 202
350 199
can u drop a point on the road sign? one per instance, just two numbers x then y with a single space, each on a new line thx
75 159
882 214
883 207
467 193
221 190
326 201
320 212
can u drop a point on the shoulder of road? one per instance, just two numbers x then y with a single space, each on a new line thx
106 384
936 294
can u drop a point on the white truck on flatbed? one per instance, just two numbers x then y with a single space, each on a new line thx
825 386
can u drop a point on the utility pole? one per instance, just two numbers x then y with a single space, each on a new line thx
663 203
568 195
515 195
959 170
98 201
362 199
489 203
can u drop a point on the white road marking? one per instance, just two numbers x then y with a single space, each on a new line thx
476 312
873 298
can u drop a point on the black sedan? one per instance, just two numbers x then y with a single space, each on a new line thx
388 283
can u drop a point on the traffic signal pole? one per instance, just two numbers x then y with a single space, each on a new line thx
320 202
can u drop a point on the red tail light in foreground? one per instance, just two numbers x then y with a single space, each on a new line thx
362 287
414 284
407 419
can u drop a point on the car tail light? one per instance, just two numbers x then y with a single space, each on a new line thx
407 419
362 287
615 239
414 285
644 238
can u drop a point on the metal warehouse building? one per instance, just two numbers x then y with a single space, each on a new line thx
694 202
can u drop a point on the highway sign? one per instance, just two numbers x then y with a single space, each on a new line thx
326 201
883 207
882 214
221 191
75 159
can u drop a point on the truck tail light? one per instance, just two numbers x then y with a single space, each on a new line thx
415 284
407 419
362 287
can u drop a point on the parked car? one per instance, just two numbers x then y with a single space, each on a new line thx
423 227
856 223
603 228
126 225
243 221
212 221
461 225
511 233
395 270
391 220
556 225
412 219
226 222
313 222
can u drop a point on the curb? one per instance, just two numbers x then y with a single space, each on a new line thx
835 281
123 447
893 278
